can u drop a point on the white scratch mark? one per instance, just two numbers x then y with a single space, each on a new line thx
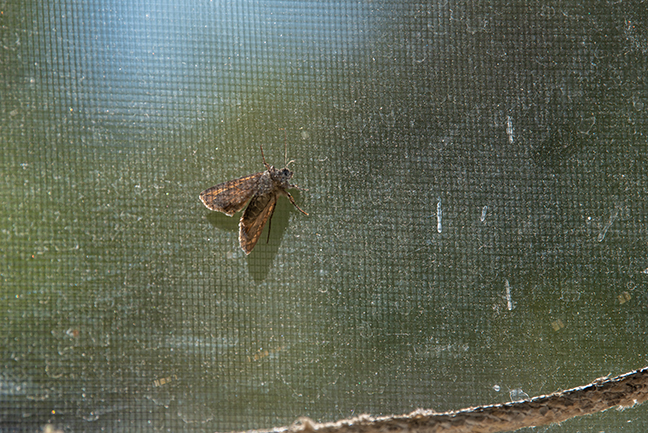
613 216
483 215
509 129
509 301
439 215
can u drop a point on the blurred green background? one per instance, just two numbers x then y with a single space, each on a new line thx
127 304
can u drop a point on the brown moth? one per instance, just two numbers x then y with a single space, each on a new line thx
261 190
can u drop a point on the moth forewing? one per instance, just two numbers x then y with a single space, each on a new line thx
230 197
254 219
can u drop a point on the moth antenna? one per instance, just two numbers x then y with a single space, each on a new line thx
285 147
290 162
263 156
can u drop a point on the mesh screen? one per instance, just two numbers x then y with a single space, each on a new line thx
476 186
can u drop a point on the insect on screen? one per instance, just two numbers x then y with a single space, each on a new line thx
474 175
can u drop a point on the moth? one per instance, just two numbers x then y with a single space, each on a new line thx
261 191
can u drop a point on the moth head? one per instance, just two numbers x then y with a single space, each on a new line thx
285 172
282 176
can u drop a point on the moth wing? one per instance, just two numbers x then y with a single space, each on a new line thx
254 218
230 197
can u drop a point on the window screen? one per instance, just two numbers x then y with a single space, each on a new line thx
475 179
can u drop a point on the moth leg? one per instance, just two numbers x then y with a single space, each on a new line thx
298 187
269 228
292 200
